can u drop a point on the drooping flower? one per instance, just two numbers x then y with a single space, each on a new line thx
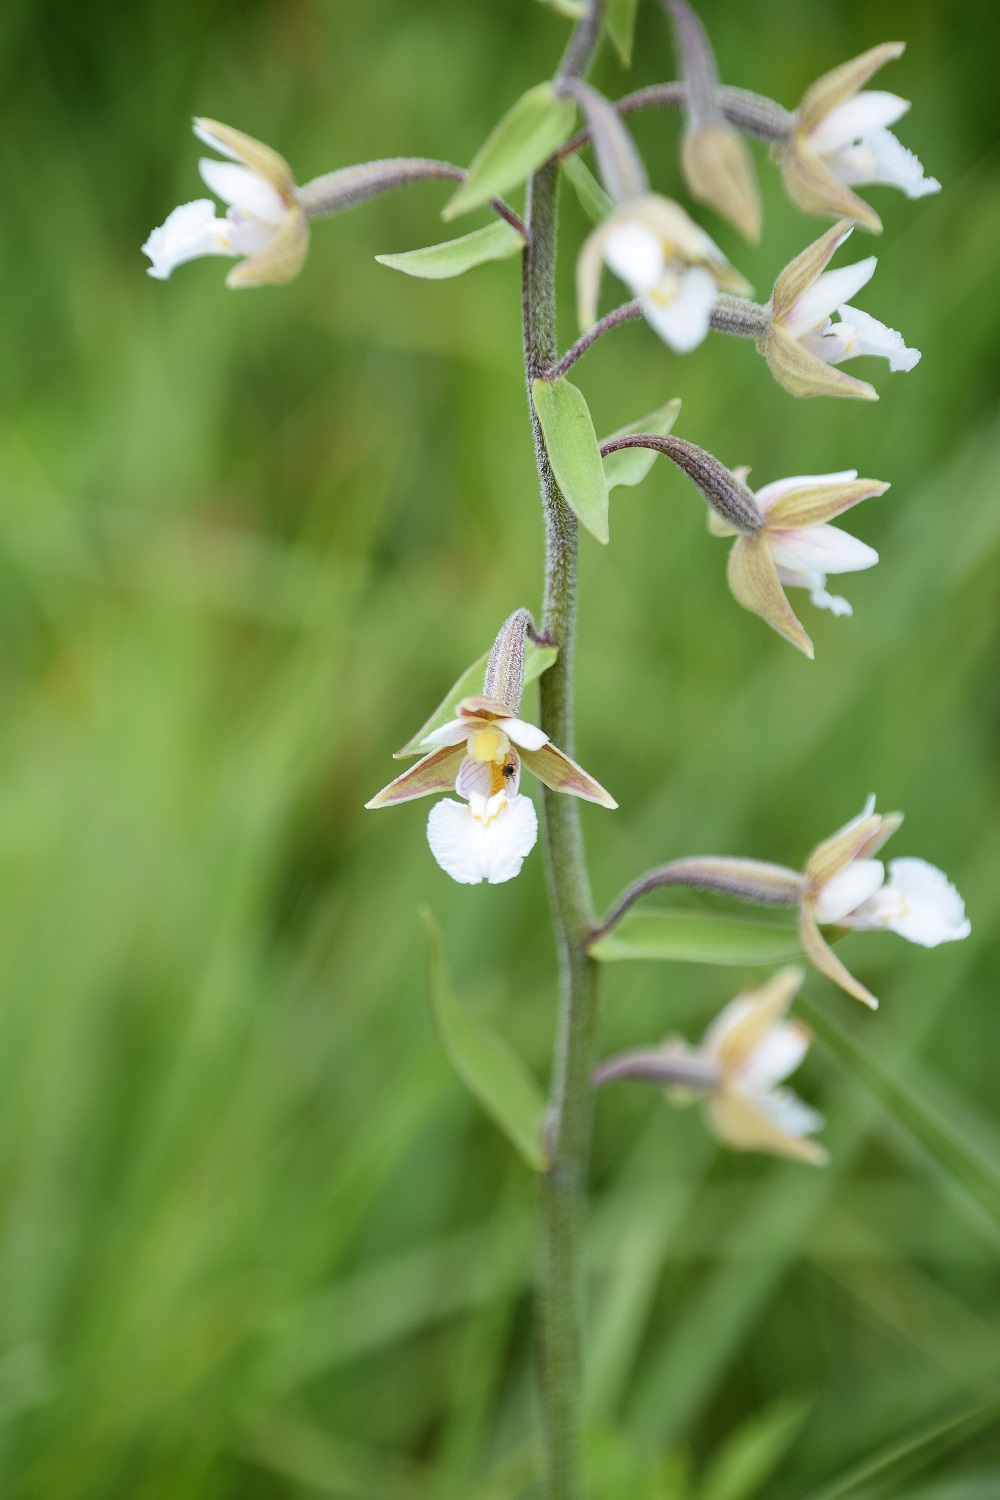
264 222
802 343
745 1055
841 140
797 547
665 260
479 754
846 887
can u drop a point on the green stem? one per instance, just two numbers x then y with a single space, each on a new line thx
560 1291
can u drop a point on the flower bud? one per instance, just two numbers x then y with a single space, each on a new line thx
718 169
504 679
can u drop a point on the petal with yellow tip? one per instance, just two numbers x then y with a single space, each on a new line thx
754 582
822 957
562 774
843 81
813 505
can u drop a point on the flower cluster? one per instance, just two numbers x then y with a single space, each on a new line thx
478 745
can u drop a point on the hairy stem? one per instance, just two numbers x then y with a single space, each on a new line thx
624 314
560 1291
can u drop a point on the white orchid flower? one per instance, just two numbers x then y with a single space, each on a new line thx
803 341
841 140
846 887
479 754
797 548
666 260
745 1055
264 222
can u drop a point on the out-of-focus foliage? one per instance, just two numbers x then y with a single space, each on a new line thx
256 1240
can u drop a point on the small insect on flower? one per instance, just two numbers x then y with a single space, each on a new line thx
846 887
802 343
479 753
746 1053
841 140
264 222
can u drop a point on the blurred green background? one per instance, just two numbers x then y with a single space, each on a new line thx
256 1241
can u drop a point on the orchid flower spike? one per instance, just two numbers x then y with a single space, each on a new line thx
746 1053
802 343
264 222
665 260
797 548
840 140
846 887
479 753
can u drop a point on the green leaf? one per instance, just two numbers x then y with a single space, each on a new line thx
595 202
749 1456
573 451
537 659
619 23
944 1137
575 10
494 1074
697 937
631 465
527 135
904 1459
495 242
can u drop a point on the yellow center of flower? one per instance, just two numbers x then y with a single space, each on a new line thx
489 745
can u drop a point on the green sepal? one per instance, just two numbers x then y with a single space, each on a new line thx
491 1072
527 135
537 659
595 202
454 257
573 451
631 465
696 937
619 23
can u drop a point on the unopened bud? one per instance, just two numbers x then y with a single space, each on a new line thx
504 678
719 171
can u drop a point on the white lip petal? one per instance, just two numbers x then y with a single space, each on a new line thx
528 736
770 494
842 895
820 549
635 254
788 1112
683 321
873 109
919 902
873 337
779 1054
246 190
827 292
192 230
489 847
894 165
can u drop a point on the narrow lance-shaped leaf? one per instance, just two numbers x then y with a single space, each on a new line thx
696 938
629 466
527 135
491 1072
594 201
945 1138
573 451
537 659
437 262
619 23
